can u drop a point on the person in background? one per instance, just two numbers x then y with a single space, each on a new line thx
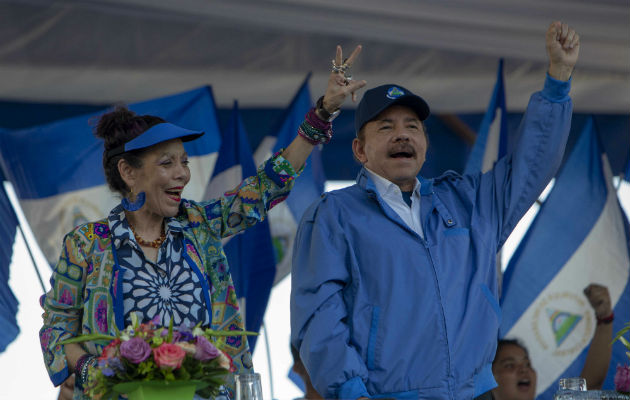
513 369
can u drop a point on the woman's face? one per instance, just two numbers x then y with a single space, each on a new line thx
163 176
514 374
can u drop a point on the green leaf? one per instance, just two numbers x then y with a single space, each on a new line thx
621 333
87 338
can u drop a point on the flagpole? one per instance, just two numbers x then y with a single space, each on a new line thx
30 253
268 360
19 228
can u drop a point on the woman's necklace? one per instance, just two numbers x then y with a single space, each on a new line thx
155 243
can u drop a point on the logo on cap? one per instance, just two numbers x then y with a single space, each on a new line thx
394 93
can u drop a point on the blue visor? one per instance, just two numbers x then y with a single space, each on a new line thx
156 134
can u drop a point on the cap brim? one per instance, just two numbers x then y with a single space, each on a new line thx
416 103
161 133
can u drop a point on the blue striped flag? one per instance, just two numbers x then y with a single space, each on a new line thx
284 218
57 171
579 236
8 302
250 253
492 136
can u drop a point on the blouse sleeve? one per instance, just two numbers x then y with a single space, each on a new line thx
63 308
250 201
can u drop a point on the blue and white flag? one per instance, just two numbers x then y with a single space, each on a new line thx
284 217
492 136
580 236
250 253
57 171
8 302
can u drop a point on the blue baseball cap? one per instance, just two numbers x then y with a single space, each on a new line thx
377 99
156 134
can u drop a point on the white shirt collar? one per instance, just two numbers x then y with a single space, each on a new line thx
387 188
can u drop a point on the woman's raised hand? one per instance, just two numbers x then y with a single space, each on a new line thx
340 82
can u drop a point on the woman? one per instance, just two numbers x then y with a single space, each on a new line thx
156 254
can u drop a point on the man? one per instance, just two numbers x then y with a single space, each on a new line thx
394 281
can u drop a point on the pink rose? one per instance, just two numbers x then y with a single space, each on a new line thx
168 355
622 379
135 350
204 350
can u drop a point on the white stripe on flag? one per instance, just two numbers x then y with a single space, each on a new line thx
601 258
283 227
201 168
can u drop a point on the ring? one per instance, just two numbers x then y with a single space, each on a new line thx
339 68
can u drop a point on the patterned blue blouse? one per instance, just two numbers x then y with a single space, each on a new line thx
170 287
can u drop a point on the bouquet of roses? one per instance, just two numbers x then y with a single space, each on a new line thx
622 377
147 352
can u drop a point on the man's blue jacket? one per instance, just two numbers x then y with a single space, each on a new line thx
378 311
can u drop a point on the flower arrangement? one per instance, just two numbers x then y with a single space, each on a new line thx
143 353
622 377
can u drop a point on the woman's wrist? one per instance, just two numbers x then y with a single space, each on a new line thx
82 368
315 130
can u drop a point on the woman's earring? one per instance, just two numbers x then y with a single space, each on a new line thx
135 205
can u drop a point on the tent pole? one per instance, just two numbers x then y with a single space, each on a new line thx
30 253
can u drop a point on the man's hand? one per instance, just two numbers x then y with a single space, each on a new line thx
563 48
66 389
599 298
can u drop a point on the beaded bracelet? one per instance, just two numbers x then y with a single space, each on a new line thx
81 369
316 121
314 130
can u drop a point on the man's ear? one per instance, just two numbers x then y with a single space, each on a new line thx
358 149
127 173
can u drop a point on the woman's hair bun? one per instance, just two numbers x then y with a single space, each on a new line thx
119 126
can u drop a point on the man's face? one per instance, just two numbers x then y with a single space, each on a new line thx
514 374
394 146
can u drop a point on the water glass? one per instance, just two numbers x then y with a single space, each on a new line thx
577 384
248 387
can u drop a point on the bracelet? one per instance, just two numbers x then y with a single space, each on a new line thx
81 369
316 122
607 320
313 134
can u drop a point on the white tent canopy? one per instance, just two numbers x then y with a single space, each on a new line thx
258 51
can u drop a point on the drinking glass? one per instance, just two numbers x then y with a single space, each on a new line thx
248 387
577 384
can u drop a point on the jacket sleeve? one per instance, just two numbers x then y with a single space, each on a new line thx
63 310
250 201
321 272
517 180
